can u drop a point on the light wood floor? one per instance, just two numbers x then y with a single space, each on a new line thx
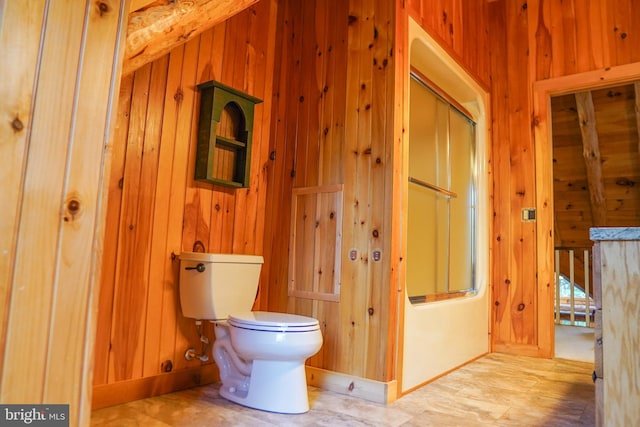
575 343
496 390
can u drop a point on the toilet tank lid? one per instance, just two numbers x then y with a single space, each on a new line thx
221 258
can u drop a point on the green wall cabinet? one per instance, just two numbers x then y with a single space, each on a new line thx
225 128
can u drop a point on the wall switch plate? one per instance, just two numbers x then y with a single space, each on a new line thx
528 214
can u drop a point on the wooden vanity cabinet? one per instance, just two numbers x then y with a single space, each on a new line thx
616 279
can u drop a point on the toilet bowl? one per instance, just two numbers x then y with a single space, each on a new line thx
260 355
261 359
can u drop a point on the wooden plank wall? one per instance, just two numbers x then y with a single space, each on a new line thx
514 241
333 114
460 27
156 209
542 39
332 124
578 36
58 89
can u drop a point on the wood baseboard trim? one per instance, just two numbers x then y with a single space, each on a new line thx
522 350
363 388
126 391
106 395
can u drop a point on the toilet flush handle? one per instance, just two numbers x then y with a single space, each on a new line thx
199 267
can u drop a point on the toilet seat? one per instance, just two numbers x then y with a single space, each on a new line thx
273 322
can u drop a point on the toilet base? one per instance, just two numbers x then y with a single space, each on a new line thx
274 386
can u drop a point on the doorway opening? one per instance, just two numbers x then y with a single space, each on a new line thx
588 175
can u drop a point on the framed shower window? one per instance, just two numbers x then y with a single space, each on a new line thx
442 196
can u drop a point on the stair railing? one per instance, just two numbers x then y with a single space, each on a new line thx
566 306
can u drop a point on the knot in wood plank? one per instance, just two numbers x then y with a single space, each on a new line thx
103 8
72 209
17 124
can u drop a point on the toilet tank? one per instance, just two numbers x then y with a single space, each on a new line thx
212 286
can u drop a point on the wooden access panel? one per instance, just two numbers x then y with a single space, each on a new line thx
316 239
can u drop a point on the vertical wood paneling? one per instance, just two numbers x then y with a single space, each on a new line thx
129 300
197 227
77 239
304 174
476 31
185 137
522 188
198 197
351 327
164 211
622 19
334 152
182 183
461 27
306 101
361 182
323 67
149 177
287 88
379 233
224 198
563 39
332 124
219 216
16 109
174 155
501 276
263 84
577 36
60 92
41 206
538 18
109 253
514 276
167 222
236 75
275 169
395 161
306 155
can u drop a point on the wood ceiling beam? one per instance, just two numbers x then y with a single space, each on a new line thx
139 4
154 31
592 160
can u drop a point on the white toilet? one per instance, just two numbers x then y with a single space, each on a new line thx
260 354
